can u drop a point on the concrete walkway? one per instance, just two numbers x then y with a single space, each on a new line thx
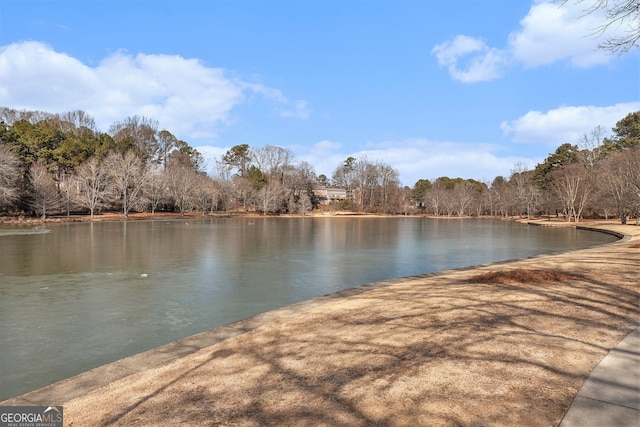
611 394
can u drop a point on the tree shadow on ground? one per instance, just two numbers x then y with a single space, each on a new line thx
457 349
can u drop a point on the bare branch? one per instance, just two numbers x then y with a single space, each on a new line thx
618 13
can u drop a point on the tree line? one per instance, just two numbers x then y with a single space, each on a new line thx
597 177
61 164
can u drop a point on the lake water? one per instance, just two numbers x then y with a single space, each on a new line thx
77 296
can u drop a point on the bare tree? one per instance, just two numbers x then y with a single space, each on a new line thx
571 184
9 116
225 194
482 199
299 180
364 175
68 186
182 185
9 175
272 196
526 195
633 170
207 193
367 178
617 13
93 185
371 185
500 194
76 122
245 193
128 175
304 203
45 196
613 185
221 174
407 201
630 160
154 190
390 186
591 146
435 197
273 161
448 202
461 197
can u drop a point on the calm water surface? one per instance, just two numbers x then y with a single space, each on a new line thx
77 296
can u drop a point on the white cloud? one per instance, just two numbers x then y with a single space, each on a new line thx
485 63
565 124
300 111
185 96
33 74
267 92
549 33
449 52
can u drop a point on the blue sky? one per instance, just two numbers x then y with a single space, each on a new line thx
462 88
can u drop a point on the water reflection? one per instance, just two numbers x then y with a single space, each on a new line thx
84 295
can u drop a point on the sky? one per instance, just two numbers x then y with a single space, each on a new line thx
458 88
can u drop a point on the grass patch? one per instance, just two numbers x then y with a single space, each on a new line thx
522 276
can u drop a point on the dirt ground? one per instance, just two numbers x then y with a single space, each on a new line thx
502 345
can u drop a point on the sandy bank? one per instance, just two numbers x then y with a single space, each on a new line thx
504 344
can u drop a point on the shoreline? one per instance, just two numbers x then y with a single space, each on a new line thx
141 216
94 383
